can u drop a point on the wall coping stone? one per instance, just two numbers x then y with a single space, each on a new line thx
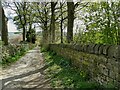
111 51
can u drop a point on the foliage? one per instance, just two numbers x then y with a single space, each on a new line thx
101 20
3 26
31 36
13 52
102 23
24 20
63 75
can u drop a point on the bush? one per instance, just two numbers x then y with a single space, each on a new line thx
12 52
31 36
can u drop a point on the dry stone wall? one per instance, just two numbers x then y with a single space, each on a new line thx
102 62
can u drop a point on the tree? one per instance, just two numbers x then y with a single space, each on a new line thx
62 18
42 16
70 6
31 36
4 31
52 24
21 19
0 18
102 23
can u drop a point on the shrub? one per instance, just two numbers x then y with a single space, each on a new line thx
12 52
31 36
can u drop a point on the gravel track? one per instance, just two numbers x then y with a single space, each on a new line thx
25 73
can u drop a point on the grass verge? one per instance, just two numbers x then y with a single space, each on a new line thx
63 75
12 58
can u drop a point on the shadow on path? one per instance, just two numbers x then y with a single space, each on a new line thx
23 75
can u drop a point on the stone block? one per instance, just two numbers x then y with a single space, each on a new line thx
96 49
77 47
114 52
105 50
113 62
101 49
81 48
110 66
116 69
85 48
104 70
117 84
70 46
112 75
101 66
91 48
119 77
103 60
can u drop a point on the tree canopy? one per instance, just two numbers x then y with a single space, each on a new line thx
98 22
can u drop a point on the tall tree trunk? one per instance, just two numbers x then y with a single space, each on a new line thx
118 34
61 28
4 29
45 34
61 23
53 28
24 33
0 19
70 7
53 4
24 24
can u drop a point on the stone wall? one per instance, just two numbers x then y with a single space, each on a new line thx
102 62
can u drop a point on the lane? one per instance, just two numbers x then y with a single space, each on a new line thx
26 72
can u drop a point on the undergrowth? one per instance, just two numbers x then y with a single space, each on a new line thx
12 59
12 53
63 74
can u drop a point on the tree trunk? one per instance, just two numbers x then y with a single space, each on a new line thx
4 29
70 6
24 24
24 33
53 21
61 28
61 23
118 34
0 18
45 34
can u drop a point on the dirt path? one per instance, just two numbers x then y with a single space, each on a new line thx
26 72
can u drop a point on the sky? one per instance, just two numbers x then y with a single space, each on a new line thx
11 26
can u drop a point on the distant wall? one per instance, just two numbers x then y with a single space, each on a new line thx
102 62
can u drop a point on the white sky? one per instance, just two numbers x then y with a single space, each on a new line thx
11 26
